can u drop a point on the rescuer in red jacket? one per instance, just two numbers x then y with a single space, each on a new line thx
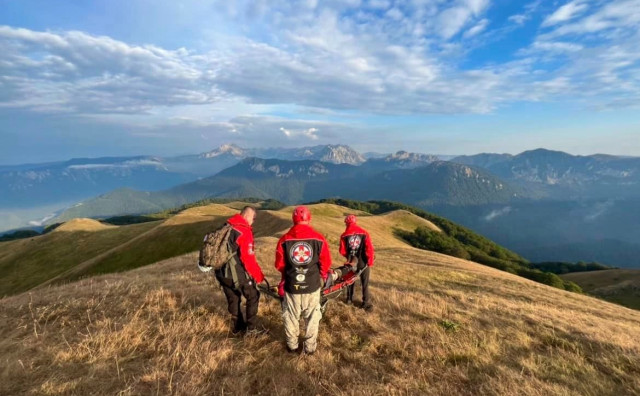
247 271
303 259
356 246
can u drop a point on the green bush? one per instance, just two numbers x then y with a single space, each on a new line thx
558 267
20 234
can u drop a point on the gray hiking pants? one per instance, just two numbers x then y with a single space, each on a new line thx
307 305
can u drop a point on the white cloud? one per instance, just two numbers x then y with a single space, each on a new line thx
556 46
566 12
402 57
497 213
454 18
379 4
528 11
518 19
477 28
394 14
309 132
286 132
76 72
618 15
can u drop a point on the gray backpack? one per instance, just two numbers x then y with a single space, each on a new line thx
215 252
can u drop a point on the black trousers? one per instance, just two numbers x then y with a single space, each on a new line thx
364 279
234 299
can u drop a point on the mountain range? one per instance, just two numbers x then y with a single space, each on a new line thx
544 204
293 182
558 175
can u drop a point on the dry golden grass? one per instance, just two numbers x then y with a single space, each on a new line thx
440 326
82 224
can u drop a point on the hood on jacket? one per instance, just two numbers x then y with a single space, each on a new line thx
300 231
238 221
354 229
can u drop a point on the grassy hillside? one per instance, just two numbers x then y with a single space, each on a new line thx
441 326
178 231
26 263
84 247
616 285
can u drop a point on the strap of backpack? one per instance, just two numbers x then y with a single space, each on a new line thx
234 274
231 263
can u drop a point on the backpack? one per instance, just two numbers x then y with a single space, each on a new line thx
215 252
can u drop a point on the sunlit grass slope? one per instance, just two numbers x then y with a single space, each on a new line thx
440 326
26 263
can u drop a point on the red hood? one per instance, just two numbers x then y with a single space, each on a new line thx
353 229
301 231
238 221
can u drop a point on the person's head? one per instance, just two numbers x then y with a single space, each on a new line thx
301 215
350 219
249 214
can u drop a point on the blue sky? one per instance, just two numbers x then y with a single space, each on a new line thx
114 77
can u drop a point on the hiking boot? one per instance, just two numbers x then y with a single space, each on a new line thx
237 326
367 307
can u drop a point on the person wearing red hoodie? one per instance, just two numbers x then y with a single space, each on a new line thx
247 271
304 260
356 246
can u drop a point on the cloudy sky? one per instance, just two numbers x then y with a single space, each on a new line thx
120 77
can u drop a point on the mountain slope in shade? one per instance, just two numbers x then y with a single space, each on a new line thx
616 285
606 231
565 176
22 187
400 160
303 181
30 192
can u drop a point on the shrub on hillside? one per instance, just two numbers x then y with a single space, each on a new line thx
565 268
424 238
20 234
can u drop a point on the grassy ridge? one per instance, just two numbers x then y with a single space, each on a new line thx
162 243
27 263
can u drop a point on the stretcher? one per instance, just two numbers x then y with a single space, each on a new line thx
347 275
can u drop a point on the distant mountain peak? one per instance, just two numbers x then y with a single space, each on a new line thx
341 154
544 152
229 148
404 160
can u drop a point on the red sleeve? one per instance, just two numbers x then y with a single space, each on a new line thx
248 257
325 259
369 250
279 264
343 247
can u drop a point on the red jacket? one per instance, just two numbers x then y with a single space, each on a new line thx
297 253
244 241
359 236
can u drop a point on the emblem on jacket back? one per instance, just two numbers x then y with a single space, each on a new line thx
301 253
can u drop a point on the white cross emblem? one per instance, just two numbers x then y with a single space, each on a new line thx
301 253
